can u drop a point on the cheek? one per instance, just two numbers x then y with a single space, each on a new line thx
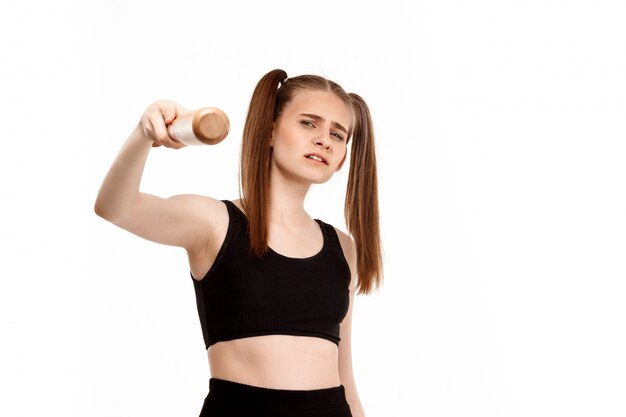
285 139
342 155
283 150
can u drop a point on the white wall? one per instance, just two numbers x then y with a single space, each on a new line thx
501 138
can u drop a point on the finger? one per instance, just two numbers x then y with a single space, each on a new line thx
170 142
173 144
148 130
169 115
177 145
159 128
180 110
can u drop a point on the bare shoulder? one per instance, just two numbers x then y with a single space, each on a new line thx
206 213
348 247
204 206
206 209
239 204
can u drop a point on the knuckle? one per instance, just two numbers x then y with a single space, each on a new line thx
162 138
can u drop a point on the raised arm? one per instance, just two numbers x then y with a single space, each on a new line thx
181 220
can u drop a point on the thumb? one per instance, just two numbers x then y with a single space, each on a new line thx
169 115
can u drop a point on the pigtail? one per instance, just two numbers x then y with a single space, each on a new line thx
254 173
270 96
361 205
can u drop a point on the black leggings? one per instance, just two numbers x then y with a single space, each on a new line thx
232 399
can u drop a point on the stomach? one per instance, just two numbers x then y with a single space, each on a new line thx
277 361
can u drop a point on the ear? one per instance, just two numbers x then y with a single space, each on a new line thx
342 161
272 134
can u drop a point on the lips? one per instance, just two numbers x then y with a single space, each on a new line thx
316 157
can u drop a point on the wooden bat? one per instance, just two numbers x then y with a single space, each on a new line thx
204 126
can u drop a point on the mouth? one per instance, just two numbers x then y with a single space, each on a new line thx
316 157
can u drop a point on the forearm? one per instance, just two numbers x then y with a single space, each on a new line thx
355 403
120 187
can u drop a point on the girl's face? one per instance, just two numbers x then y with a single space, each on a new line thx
309 138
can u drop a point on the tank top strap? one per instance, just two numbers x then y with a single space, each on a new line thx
238 227
237 231
233 209
236 218
332 238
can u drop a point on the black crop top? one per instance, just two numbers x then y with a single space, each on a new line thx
243 296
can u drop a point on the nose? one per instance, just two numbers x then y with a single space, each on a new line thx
323 141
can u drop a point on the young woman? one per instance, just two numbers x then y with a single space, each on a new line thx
274 287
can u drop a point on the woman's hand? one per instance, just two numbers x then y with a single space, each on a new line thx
155 120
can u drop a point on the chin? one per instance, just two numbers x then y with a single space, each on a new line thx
305 175
321 180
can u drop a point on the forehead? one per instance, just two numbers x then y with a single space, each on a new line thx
321 103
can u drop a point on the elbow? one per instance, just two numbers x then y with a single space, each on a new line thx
103 211
100 210
111 210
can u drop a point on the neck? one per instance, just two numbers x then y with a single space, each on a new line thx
286 200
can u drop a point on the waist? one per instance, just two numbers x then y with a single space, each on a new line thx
227 398
277 361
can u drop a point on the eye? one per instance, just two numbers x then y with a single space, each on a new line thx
337 135
308 123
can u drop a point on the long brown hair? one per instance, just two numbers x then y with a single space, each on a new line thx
272 93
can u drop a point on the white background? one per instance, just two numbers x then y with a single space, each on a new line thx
501 142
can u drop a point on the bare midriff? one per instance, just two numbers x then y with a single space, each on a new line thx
277 361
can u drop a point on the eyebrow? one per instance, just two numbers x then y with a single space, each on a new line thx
320 118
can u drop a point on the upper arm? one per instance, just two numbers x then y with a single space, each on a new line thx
184 220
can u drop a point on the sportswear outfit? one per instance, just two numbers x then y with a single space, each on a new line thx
244 296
